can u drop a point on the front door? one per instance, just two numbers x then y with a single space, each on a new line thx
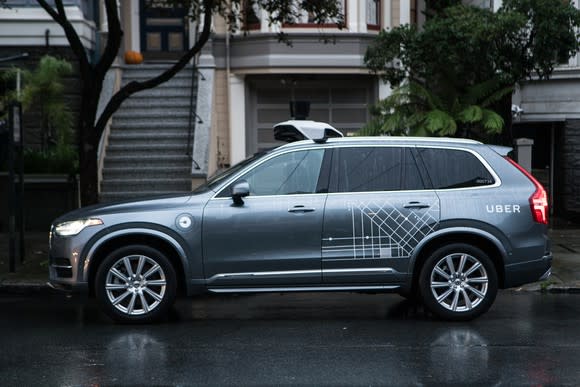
377 211
274 237
163 30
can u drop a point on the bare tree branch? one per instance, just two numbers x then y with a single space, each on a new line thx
113 39
134 86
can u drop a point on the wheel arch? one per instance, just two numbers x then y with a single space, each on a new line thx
485 241
156 239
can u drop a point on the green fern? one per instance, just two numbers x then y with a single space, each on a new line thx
414 109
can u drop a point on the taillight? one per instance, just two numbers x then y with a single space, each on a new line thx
538 200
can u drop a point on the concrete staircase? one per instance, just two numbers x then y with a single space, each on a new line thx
147 151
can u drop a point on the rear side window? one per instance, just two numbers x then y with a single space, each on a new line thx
451 168
366 169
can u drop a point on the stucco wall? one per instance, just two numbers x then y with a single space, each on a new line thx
220 137
395 13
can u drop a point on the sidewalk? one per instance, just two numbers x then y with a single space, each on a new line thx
31 277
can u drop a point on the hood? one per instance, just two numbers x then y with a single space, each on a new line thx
141 204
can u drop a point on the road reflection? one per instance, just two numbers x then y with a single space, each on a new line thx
304 338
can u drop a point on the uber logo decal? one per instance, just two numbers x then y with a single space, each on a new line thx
502 208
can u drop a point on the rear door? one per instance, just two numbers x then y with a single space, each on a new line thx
378 210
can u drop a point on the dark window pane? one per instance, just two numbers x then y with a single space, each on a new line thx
376 169
449 168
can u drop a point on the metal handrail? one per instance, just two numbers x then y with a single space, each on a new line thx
192 114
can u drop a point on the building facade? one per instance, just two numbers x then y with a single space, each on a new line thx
550 115
27 33
245 82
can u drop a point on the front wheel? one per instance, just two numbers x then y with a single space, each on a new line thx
458 282
135 284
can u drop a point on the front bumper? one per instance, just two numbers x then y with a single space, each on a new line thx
69 288
66 265
527 272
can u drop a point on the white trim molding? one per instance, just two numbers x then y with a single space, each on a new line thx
27 27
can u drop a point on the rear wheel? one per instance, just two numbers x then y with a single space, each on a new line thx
136 284
458 282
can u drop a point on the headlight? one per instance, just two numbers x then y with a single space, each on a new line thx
76 226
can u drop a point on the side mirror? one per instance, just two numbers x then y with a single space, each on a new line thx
240 190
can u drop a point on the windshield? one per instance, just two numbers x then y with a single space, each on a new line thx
215 180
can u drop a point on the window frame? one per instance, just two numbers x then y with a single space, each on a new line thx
323 25
333 187
375 26
482 160
322 183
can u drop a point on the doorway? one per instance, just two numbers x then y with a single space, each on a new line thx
164 30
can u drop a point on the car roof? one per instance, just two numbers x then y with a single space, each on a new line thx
387 140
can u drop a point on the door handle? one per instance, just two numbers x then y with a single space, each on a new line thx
300 209
416 205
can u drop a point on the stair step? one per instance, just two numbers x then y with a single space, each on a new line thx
165 92
154 113
108 197
143 138
158 172
145 185
174 83
141 161
150 71
160 125
147 149
137 101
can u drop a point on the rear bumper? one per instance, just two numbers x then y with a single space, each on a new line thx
526 272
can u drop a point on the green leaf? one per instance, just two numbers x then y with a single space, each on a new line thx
440 123
470 114
492 122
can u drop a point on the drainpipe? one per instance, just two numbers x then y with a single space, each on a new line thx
228 73
552 164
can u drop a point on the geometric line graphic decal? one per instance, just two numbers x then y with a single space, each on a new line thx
381 229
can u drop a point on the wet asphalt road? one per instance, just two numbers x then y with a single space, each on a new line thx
307 339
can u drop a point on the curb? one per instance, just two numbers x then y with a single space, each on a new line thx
26 287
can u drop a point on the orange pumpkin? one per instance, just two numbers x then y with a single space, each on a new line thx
133 57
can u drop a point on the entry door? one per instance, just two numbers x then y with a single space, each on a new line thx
274 237
163 30
376 214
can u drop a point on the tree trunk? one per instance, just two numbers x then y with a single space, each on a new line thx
88 141
89 174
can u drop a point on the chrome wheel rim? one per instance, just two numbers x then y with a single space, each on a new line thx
459 282
135 285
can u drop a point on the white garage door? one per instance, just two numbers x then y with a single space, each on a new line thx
343 103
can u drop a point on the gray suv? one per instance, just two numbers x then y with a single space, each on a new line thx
446 220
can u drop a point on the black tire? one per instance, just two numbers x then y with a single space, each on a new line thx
145 294
456 293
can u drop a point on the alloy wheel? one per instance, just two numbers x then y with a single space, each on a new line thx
135 285
459 282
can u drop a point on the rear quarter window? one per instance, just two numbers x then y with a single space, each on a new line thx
453 168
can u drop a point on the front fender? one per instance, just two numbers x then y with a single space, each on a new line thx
125 230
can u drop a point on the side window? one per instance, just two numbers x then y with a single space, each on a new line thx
289 173
365 169
451 168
